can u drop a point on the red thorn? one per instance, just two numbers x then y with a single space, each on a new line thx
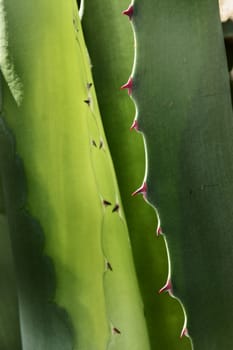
129 12
141 190
128 85
159 231
184 332
134 125
167 287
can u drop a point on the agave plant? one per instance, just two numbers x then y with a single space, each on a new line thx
81 260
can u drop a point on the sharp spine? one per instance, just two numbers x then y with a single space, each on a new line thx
128 85
184 332
129 11
134 125
167 287
141 190
159 231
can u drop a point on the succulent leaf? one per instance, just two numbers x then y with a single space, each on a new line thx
184 111
113 49
57 172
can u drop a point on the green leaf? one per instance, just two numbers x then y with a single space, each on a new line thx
57 173
181 89
112 52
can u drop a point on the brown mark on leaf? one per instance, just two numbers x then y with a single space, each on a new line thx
109 266
116 330
94 143
116 208
101 144
106 203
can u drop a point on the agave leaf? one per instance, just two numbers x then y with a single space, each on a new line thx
58 176
181 89
112 52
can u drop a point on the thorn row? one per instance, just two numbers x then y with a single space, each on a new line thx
143 189
95 144
107 204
